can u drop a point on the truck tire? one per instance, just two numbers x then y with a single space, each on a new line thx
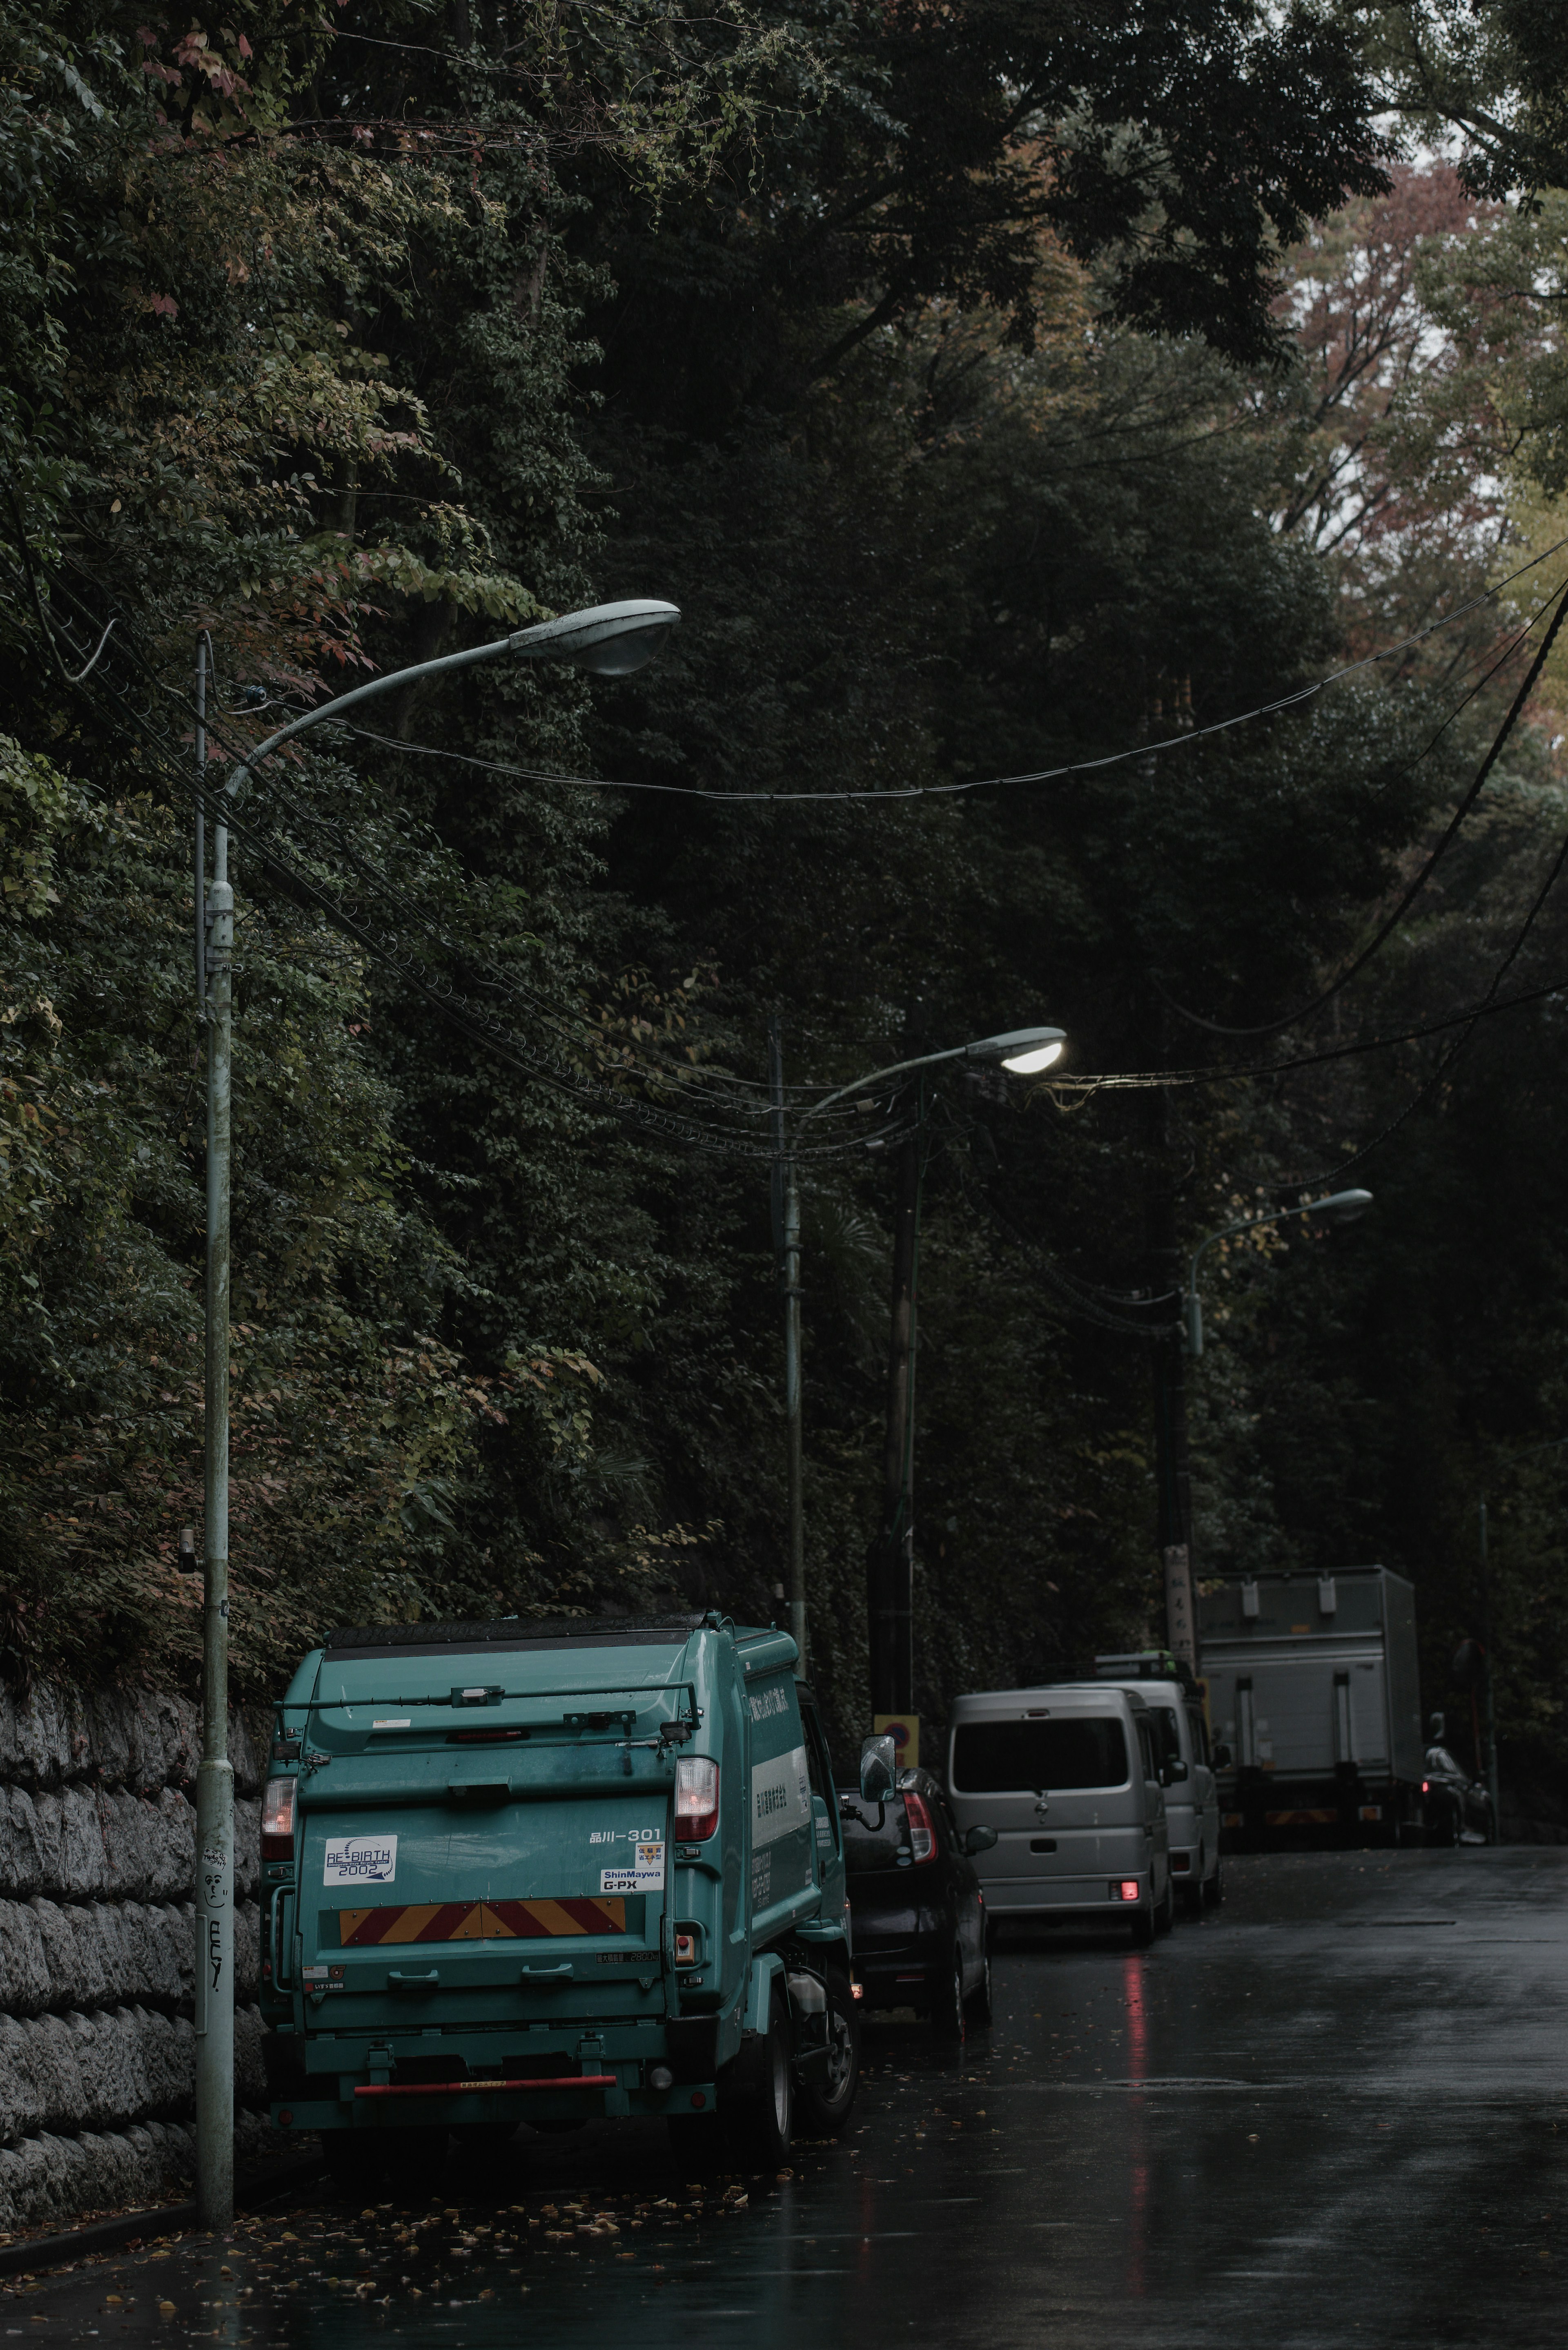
947 2000
761 2117
825 2106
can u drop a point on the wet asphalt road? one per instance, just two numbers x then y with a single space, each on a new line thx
1336 2113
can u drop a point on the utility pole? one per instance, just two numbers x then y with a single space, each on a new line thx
215 1777
889 1558
1173 1490
612 639
1493 1784
891 1563
787 1245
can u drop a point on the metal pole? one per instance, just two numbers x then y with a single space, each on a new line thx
1493 1786
891 1596
786 1236
613 639
203 642
216 1778
1173 1483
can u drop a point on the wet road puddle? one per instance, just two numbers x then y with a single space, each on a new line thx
1081 2177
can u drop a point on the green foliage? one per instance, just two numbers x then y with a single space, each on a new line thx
901 348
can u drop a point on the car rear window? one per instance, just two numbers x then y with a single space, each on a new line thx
868 1847
996 1758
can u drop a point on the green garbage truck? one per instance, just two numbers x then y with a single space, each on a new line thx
545 1871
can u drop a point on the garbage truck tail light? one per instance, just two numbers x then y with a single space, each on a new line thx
922 1835
277 1819
696 1798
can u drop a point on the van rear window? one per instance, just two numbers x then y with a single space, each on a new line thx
998 1758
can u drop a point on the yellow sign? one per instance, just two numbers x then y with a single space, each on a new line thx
904 1729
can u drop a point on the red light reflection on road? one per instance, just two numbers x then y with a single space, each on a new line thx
1133 1999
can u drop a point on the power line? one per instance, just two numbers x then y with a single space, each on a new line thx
901 792
113 704
1142 1079
1387 929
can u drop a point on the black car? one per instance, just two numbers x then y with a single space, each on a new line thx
1458 1807
916 1908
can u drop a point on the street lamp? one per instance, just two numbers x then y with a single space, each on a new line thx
1170 1428
1337 1208
1022 1051
611 640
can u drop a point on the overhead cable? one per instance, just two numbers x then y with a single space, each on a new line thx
901 792
1392 922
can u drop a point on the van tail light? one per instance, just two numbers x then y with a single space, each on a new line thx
696 1798
922 1835
1127 1890
277 1819
1425 1786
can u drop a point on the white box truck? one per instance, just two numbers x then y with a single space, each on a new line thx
1315 1706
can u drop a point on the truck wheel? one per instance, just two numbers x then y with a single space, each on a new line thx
762 2119
1143 1930
825 2106
947 2000
980 1997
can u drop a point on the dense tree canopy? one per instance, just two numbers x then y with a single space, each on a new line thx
999 390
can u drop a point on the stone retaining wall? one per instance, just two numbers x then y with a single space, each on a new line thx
96 1868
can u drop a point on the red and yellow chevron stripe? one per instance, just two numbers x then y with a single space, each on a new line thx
480 1922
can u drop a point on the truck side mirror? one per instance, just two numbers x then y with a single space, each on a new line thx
980 1839
879 1769
1222 1757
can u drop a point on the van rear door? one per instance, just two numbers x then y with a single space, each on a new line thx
1058 1788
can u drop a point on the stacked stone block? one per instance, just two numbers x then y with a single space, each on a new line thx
96 1870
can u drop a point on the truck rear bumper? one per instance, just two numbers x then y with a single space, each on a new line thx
1259 1819
434 2106
336 2082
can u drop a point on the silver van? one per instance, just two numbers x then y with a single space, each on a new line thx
1187 1773
1069 1778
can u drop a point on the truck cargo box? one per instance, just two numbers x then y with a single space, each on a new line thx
1313 1688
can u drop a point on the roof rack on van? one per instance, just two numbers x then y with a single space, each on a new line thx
1144 1665
517 1632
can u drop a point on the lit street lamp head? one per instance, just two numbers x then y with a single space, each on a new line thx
610 639
1024 1051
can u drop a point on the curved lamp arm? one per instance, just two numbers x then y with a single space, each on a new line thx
1036 1046
1342 1206
612 639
